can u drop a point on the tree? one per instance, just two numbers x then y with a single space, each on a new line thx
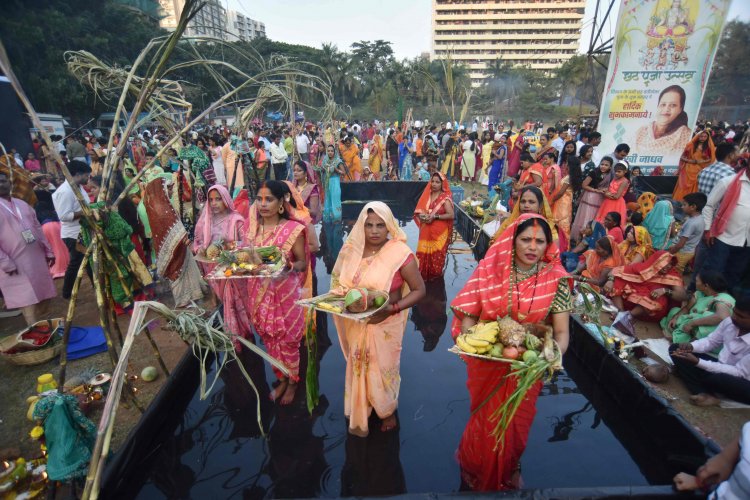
37 33
729 84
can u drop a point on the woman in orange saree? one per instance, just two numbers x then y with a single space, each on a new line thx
375 256
698 154
522 277
597 264
350 155
646 288
434 217
271 301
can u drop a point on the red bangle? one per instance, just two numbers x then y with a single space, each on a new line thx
396 306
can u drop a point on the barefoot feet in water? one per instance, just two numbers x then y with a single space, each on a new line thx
288 397
279 390
389 423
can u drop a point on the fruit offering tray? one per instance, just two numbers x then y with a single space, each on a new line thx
486 357
267 262
334 304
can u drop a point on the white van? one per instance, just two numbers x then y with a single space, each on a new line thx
53 125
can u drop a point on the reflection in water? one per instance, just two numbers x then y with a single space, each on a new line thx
430 316
562 427
298 464
331 241
184 459
373 465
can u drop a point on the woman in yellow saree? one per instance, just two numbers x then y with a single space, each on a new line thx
376 155
376 257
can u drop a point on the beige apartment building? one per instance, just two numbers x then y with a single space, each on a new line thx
540 34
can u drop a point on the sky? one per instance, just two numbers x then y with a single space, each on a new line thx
405 23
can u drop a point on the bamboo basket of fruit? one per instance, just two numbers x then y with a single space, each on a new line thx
531 358
34 345
357 304
247 263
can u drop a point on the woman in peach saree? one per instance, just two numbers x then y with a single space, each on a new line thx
376 257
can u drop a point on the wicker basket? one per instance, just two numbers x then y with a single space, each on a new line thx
44 353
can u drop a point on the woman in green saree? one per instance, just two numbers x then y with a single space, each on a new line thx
702 313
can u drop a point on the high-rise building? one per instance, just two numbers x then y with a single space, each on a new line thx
211 21
241 27
540 34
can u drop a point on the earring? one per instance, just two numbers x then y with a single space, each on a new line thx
281 210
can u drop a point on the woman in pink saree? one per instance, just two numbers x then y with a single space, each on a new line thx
376 257
271 301
220 222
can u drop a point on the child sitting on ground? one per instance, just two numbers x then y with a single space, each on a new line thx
691 232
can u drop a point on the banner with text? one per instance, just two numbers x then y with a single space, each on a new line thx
661 58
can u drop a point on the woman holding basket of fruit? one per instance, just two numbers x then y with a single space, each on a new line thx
271 301
220 227
375 257
515 292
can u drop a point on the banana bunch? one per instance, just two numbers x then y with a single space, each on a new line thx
329 307
479 339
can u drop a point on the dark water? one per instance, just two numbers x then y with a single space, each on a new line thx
217 452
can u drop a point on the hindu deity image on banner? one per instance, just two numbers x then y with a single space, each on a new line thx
661 58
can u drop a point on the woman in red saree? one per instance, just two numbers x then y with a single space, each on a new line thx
271 301
532 174
698 154
522 277
434 216
646 288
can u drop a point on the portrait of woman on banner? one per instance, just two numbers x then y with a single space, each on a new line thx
668 133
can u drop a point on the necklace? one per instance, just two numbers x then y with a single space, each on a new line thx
514 286
301 187
263 232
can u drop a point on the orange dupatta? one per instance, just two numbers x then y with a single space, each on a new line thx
687 174
527 177
595 264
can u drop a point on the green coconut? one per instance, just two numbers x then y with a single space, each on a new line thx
356 300
149 374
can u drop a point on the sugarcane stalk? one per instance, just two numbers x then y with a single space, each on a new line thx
157 354
100 302
69 318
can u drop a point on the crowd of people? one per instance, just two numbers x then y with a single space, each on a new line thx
573 214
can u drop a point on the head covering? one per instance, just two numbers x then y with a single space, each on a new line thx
708 152
486 293
423 205
346 267
646 203
205 221
595 264
300 213
641 245
658 222
516 213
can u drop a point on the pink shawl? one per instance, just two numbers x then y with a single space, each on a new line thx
728 204
234 222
